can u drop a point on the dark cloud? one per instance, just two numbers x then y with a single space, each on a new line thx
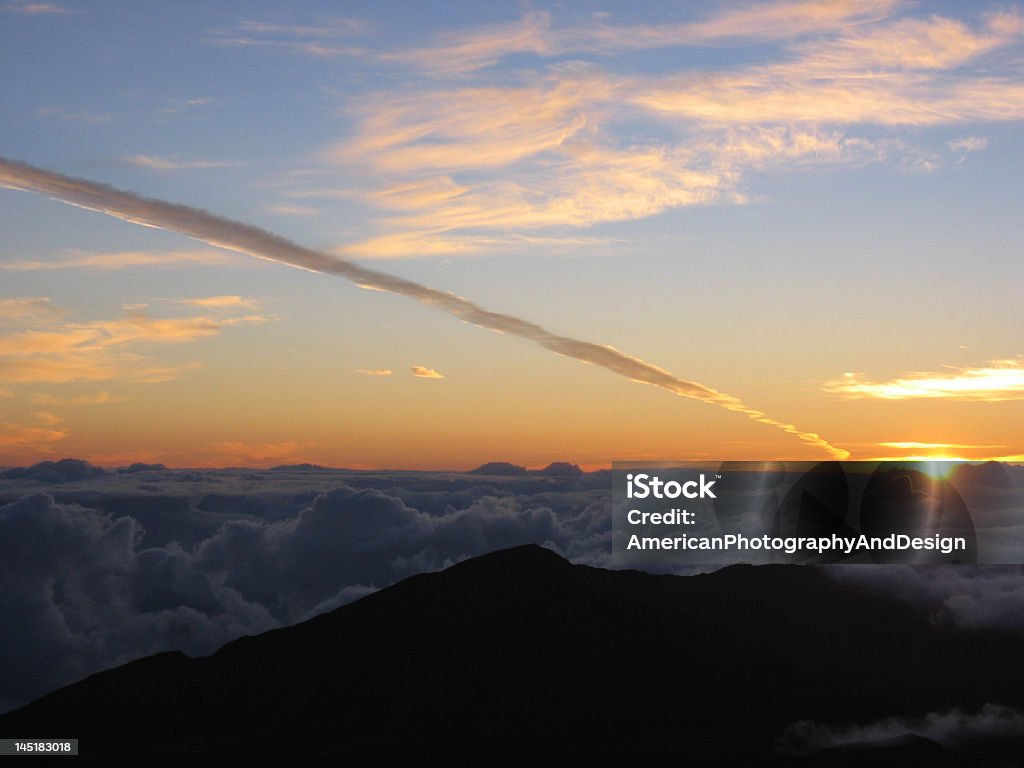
951 729
968 597
78 594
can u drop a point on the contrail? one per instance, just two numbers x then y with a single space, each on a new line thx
247 239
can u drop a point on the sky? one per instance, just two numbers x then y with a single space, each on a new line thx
795 223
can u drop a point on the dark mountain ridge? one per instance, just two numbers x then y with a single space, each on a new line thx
521 657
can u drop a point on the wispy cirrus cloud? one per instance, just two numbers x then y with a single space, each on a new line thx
319 41
18 437
38 368
537 32
559 179
36 9
156 163
843 35
438 242
38 307
999 380
790 94
234 453
477 159
474 128
221 302
47 348
338 26
464 165
916 450
294 210
100 397
969 144
916 445
779 20
470 50
373 371
900 72
931 43
105 261
966 145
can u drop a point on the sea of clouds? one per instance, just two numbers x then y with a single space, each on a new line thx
101 567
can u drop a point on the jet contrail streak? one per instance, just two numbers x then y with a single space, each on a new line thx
253 241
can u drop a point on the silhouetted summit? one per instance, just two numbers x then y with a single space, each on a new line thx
560 469
990 474
519 657
140 466
63 471
499 469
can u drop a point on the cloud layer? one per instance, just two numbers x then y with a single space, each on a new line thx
139 561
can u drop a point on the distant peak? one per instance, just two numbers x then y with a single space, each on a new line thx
500 468
63 471
524 557
560 469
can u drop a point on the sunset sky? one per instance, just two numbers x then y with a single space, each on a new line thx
809 208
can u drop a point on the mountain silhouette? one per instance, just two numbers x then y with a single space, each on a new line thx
519 657
500 468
